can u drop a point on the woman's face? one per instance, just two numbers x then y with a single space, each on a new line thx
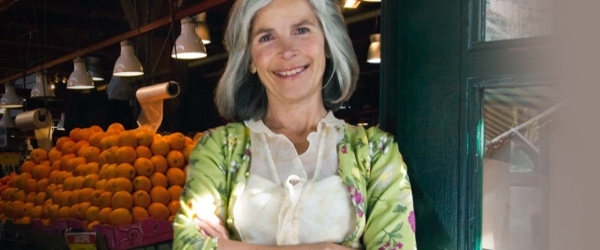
288 51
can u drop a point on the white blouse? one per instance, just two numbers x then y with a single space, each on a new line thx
294 199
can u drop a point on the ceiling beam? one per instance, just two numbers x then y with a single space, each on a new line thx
192 10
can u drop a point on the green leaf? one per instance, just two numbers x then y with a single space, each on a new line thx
399 209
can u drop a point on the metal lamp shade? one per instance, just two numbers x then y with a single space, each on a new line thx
201 28
41 87
10 99
80 78
128 64
188 45
374 55
7 121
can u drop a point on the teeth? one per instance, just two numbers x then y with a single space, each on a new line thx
290 72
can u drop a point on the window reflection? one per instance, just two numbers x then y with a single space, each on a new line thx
513 19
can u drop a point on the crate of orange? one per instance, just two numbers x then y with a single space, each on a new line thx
149 231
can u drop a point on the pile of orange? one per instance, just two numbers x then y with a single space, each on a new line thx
113 177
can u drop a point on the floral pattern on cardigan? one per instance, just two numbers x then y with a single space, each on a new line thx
370 165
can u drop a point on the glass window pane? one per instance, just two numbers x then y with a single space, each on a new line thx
517 122
513 19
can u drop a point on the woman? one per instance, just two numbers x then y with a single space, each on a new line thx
289 174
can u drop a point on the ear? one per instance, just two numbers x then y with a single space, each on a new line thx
252 68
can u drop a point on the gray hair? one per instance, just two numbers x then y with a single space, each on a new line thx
241 96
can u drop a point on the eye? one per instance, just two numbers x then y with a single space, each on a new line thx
302 30
265 38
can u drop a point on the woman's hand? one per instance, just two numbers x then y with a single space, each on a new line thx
210 225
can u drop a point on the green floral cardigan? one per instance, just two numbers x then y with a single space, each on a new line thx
370 165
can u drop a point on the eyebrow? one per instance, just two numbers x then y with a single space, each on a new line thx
269 30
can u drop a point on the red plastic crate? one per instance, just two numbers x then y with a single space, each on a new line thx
147 232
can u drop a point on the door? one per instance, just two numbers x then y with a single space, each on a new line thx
442 63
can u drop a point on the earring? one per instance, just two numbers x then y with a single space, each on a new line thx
252 68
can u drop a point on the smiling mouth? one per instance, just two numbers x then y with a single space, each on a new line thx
291 72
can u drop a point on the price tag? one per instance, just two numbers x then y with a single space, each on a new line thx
81 240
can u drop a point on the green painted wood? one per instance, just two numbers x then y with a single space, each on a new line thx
420 104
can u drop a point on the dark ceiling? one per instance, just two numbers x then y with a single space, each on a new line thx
48 34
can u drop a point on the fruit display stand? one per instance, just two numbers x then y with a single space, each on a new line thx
122 186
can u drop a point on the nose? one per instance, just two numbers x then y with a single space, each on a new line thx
288 48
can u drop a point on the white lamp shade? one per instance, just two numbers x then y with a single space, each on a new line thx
10 99
41 87
80 78
188 45
201 28
374 55
96 77
7 121
127 64
351 4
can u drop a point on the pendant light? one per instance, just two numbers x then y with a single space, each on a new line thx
10 99
80 78
7 121
351 4
41 87
201 27
374 55
188 45
128 64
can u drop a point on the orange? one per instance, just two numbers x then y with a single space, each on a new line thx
38 155
40 172
139 213
160 163
105 199
96 129
95 197
64 160
101 184
80 170
173 207
78 182
27 207
22 180
55 165
143 166
175 192
119 184
142 183
186 151
160 194
117 126
19 195
74 162
125 154
63 212
158 210
120 217
91 226
143 152
68 183
109 141
74 211
111 171
197 136
91 214
175 159
53 211
60 142
96 139
104 214
79 146
85 194
40 198
90 181
102 171
112 131
176 141
141 198
160 146
30 185
41 185
175 176
74 197
50 189
54 154
73 133
68 147
83 134
83 207
102 159
126 170
30 197
128 138
111 156
144 136
91 154
188 141
91 168
159 179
